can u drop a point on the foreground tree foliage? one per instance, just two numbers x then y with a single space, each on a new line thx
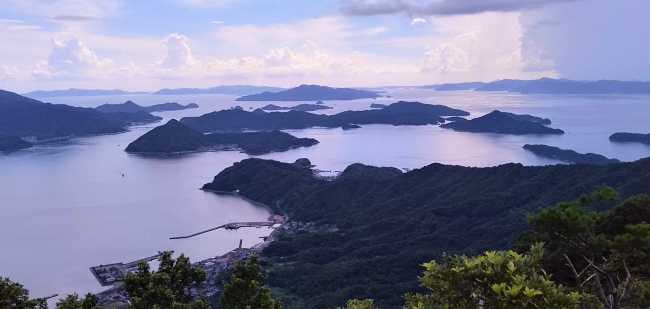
359 304
494 280
169 287
74 302
245 290
605 253
15 296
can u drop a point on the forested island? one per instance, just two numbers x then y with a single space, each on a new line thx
377 105
28 118
569 155
389 223
174 137
130 107
13 143
503 123
299 107
623 137
349 126
400 113
312 93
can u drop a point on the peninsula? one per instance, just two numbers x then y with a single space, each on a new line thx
569 155
312 93
377 105
130 107
400 113
623 137
349 126
174 137
502 123
386 217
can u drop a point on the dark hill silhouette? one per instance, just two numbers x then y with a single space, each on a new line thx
623 137
130 107
501 123
400 113
569 155
174 137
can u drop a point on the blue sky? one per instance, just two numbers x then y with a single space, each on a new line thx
146 45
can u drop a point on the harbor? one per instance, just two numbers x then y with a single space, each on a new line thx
111 274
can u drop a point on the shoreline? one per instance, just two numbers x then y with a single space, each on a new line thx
212 266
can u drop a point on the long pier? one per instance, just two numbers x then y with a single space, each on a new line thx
230 226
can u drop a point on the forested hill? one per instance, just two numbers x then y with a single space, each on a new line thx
390 225
399 113
25 117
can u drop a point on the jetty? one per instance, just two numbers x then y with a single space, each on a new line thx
231 226
110 274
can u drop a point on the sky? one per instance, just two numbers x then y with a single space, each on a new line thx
149 45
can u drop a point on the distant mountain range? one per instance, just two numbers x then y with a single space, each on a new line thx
312 93
232 90
28 118
550 86
72 92
130 107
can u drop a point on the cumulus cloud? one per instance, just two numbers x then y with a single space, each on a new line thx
442 7
418 20
178 56
7 73
446 58
309 61
70 56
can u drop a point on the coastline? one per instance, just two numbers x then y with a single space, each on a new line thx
212 266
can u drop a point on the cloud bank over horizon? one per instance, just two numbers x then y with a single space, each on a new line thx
357 43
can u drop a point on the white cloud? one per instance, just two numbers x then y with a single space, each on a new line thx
179 56
446 58
70 57
418 20
217 22
7 73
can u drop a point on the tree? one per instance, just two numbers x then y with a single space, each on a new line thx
605 251
359 304
494 280
245 291
15 296
169 287
73 302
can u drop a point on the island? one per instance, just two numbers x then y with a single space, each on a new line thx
460 86
449 87
37 121
320 103
525 117
565 86
349 126
623 137
13 143
569 155
502 85
400 113
132 119
130 107
299 107
501 123
377 105
175 138
312 93
225 89
72 92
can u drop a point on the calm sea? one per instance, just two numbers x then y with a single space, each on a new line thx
66 207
